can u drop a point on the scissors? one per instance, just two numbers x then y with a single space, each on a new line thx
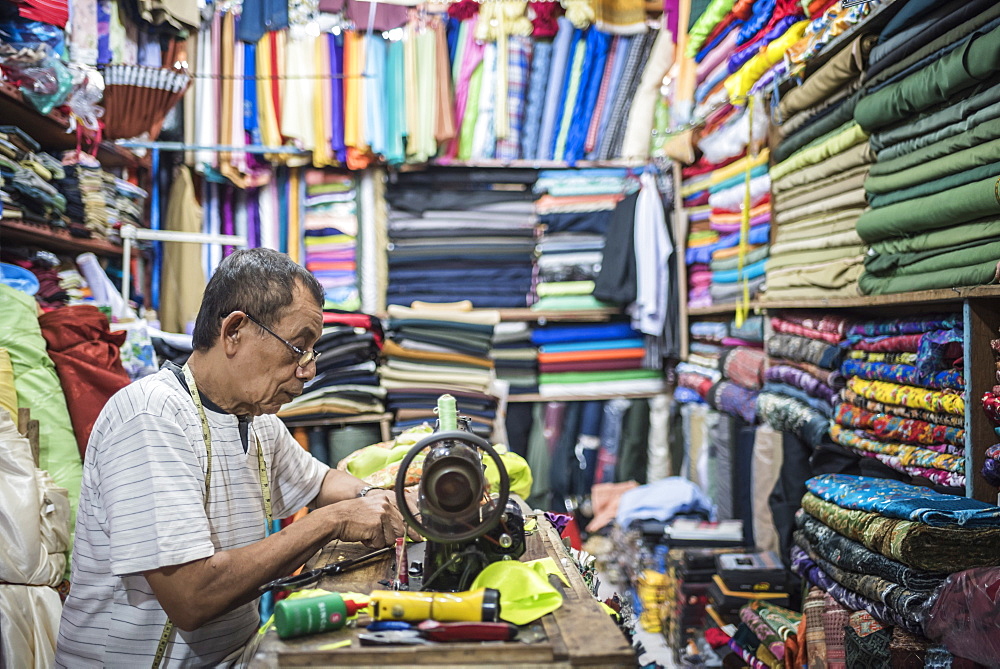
309 577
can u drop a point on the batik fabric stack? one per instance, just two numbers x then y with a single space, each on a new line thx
903 403
461 235
346 382
991 405
802 381
331 231
585 360
575 208
433 350
883 548
930 104
767 635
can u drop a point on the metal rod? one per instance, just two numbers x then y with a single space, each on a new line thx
154 223
133 232
219 148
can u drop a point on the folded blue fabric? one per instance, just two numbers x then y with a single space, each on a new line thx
751 271
759 234
893 499
574 333
604 345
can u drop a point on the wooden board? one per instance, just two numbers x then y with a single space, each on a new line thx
580 633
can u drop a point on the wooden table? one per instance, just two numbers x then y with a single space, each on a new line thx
580 633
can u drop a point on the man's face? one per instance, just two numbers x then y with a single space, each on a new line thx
270 373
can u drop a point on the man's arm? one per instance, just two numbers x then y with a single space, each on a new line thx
197 592
339 486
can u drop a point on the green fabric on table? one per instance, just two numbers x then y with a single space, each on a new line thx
570 303
931 127
751 257
975 231
900 264
560 288
38 389
975 275
851 135
525 592
856 156
981 154
877 200
975 136
813 256
932 85
914 544
950 207
589 377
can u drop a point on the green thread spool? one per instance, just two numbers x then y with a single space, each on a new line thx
447 410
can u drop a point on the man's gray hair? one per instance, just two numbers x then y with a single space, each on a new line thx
259 282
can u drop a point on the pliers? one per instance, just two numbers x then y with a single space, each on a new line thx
309 577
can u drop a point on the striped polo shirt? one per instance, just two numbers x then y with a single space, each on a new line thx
142 507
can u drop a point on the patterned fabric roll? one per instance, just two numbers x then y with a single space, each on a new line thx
866 642
907 650
815 636
835 618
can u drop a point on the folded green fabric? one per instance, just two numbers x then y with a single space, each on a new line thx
808 257
525 592
979 154
975 231
821 224
850 136
935 84
837 240
855 156
975 275
877 200
950 207
835 184
587 377
554 288
714 13
843 113
959 255
943 148
570 303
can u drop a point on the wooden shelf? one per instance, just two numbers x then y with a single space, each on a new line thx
54 239
951 297
51 130
533 397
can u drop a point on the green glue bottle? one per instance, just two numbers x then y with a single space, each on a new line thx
312 615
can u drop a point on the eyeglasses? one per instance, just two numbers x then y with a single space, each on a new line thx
305 357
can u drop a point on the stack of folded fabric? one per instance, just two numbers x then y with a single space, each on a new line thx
929 103
595 359
991 405
461 235
331 231
884 548
697 375
129 202
802 381
28 179
346 383
515 358
575 207
86 195
433 350
767 635
818 183
741 363
903 403
829 19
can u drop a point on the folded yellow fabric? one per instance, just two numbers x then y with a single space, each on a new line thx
739 83
525 592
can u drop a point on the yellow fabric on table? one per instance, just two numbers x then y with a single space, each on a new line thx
525 592
8 395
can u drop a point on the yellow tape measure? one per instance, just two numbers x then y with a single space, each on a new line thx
265 489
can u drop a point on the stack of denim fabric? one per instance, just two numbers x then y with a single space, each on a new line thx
575 209
331 230
346 383
461 235
432 350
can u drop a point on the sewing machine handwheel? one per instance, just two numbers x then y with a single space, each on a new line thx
491 519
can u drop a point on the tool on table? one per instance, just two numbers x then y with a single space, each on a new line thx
466 529
312 615
432 630
313 575
402 580
481 605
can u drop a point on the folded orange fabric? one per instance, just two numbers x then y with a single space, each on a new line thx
584 356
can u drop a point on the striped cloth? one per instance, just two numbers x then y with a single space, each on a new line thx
142 507
638 54
519 57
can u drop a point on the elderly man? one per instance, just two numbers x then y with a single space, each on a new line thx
182 471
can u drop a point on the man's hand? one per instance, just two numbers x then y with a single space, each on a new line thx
410 494
372 520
